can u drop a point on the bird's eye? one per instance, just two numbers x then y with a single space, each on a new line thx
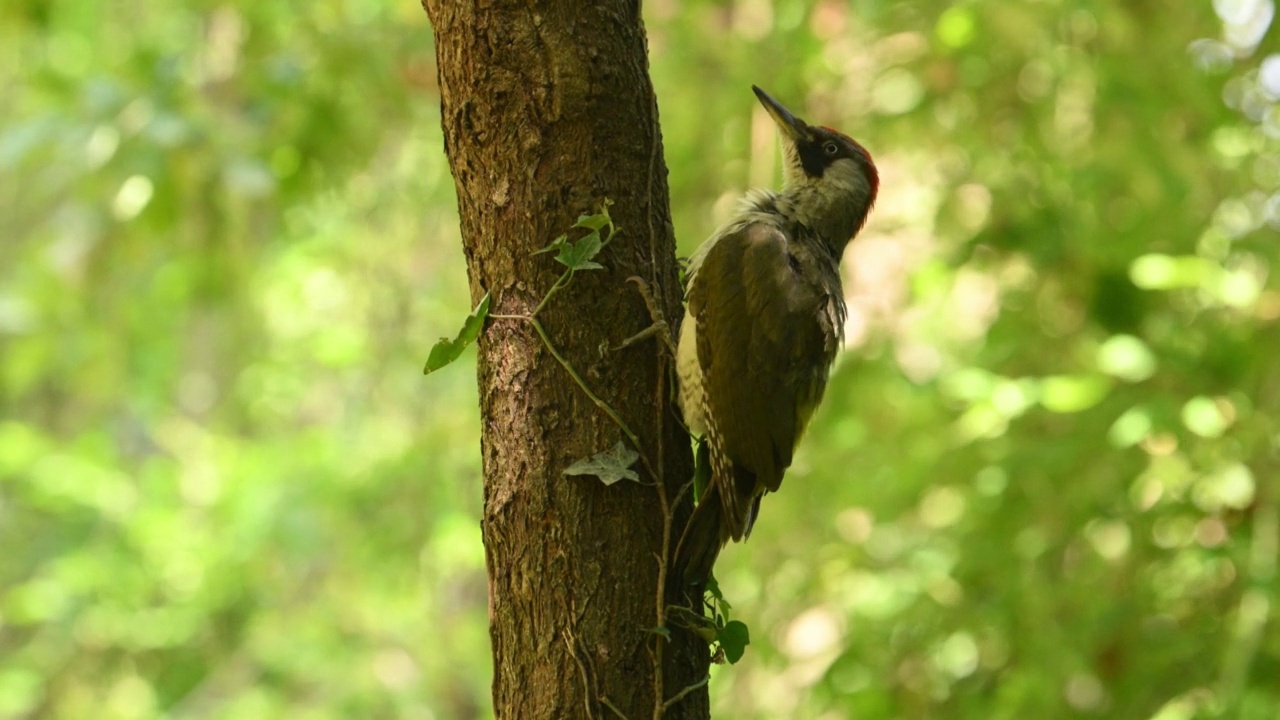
830 148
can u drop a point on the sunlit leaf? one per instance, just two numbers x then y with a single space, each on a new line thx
1130 428
1012 397
1203 417
958 655
1167 272
1126 357
969 383
1237 288
1072 393
1231 487
1110 538
955 26
446 351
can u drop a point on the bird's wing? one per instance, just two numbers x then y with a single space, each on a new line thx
759 319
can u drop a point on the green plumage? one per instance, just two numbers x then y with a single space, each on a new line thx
763 322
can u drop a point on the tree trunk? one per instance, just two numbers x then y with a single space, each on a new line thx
547 111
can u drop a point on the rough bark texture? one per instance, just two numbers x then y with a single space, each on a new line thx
547 111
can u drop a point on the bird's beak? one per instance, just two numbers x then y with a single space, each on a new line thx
792 127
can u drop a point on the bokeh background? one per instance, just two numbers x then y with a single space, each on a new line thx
1043 483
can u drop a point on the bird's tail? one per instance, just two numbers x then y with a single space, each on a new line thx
699 544
703 537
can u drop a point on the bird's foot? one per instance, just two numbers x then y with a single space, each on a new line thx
659 328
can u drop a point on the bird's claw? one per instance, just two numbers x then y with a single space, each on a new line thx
659 328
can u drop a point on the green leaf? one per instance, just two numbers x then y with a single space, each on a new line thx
594 222
1072 393
579 255
598 221
556 244
1126 357
576 255
1130 428
610 465
1205 417
1156 271
713 588
734 638
446 351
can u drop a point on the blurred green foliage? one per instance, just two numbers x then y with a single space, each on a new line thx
1043 483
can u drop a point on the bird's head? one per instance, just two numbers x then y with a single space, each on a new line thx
829 180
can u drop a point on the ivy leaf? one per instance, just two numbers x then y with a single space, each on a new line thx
713 588
734 638
596 222
610 465
446 351
580 255
556 244
576 255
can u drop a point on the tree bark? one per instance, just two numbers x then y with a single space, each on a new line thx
548 110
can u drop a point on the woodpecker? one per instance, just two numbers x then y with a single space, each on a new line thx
764 317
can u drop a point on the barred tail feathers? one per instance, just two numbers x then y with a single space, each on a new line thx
727 510
700 543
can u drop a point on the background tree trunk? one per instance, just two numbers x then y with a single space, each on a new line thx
547 111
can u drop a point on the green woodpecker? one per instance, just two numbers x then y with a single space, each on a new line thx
764 317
